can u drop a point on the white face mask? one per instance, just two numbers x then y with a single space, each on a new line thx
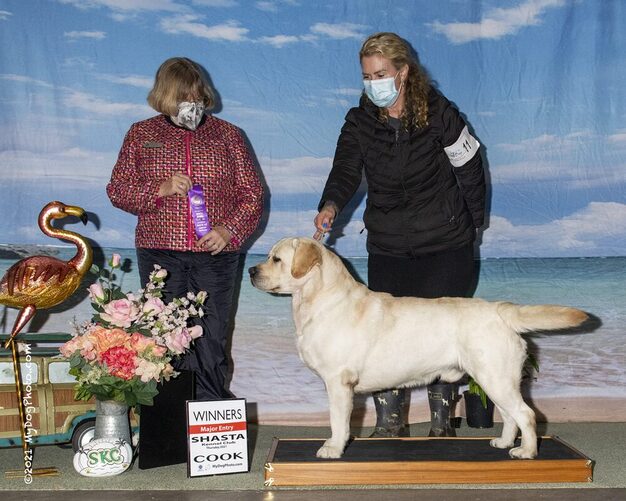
382 92
189 114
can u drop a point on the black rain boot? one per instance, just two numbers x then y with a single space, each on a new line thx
441 398
389 414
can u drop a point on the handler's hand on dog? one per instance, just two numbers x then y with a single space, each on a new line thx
323 221
215 240
178 184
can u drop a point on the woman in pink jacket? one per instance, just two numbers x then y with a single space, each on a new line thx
161 160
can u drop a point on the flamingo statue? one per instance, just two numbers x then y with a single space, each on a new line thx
41 282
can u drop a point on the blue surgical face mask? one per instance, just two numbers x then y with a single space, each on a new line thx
382 92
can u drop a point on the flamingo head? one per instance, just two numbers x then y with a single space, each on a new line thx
58 210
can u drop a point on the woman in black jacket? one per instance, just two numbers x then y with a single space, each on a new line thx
425 199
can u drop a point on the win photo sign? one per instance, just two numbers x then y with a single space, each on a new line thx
217 437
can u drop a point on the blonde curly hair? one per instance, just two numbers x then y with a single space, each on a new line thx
392 47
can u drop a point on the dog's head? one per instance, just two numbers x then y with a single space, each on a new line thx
288 267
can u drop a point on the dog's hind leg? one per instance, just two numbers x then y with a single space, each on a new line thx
514 412
340 396
509 431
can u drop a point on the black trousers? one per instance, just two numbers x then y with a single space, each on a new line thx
204 369
445 274
193 272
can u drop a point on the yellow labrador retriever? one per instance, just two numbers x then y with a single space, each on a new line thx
357 340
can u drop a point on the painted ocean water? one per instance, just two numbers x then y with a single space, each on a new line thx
267 369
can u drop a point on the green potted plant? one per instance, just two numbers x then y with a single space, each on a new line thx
479 407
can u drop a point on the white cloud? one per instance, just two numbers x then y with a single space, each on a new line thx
497 23
127 5
529 171
73 164
5 14
230 31
75 35
132 80
273 5
579 234
216 3
238 112
339 31
24 79
279 41
347 91
558 158
98 106
550 142
93 105
296 175
540 142
619 138
81 62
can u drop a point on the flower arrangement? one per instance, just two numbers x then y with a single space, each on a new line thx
126 349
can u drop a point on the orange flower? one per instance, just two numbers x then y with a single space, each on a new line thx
141 343
104 339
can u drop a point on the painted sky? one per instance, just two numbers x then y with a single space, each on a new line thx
540 81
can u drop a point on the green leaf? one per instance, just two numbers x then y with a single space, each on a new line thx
76 361
475 389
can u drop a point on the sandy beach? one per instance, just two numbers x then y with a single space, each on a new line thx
270 375
549 410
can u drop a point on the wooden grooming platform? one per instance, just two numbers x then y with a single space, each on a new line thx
382 461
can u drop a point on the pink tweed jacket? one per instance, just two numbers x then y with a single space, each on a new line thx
214 156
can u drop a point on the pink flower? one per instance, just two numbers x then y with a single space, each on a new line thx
115 260
178 340
88 350
160 273
195 332
159 351
120 361
144 345
148 370
96 292
153 306
120 312
71 346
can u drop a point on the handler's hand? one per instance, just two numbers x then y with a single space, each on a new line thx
178 184
215 240
324 220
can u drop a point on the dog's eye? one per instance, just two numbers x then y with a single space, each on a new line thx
276 259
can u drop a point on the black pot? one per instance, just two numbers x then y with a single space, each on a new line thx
476 414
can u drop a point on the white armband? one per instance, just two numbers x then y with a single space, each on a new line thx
463 150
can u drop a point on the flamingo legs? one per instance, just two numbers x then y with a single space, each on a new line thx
22 319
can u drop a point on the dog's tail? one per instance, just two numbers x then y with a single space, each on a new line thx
540 317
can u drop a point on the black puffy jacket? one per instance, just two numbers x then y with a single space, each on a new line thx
417 202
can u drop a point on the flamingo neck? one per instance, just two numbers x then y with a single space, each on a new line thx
84 255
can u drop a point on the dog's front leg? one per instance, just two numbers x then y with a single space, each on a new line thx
340 399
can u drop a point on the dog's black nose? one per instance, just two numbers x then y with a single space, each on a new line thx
252 270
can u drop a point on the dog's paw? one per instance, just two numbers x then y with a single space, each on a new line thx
522 453
500 443
329 451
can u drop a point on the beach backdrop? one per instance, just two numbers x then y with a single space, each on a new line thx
581 375
540 83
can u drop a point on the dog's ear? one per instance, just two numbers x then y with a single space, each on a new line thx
307 255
